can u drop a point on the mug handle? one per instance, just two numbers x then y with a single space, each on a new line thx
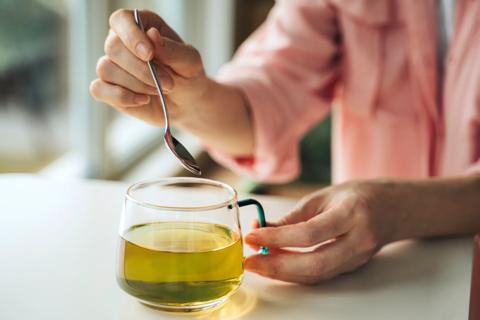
261 217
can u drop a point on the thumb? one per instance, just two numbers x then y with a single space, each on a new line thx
182 58
305 209
122 22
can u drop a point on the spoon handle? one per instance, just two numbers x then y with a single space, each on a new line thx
153 71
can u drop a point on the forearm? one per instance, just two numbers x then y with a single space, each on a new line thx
221 119
434 207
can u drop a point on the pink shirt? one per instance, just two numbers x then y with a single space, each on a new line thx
374 64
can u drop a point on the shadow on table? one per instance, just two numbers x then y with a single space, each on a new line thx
398 265
237 306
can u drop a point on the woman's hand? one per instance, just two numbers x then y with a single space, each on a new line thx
124 79
342 226
216 113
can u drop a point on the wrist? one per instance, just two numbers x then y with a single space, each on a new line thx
193 103
425 208
392 201
219 117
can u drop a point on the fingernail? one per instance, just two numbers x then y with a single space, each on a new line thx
141 99
143 50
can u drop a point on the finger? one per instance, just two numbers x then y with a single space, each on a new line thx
109 72
115 95
146 113
255 224
253 247
307 268
270 250
308 207
152 20
121 56
182 58
295 216
123 23
330 224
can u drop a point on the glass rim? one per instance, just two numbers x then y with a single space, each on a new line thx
173 180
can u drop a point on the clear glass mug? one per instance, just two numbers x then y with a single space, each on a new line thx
181 243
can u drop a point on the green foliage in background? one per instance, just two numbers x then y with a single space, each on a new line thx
27 30
316 154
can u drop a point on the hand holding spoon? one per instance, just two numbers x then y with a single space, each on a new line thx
175 147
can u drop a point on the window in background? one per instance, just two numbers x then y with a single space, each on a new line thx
47 61
33 113
106 144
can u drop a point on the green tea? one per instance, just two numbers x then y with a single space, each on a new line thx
180 263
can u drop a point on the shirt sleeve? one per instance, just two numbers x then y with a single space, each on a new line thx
287 71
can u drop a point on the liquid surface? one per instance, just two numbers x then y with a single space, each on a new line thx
180 263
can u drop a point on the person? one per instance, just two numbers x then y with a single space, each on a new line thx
406 126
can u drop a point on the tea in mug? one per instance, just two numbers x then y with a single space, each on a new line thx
180 263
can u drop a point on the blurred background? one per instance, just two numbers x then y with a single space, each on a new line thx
49 123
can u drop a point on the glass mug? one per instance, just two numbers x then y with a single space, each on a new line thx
181 243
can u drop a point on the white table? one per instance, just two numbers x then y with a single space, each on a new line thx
57 261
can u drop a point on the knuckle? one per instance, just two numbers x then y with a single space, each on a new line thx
340 224
119 94
370 241
112 45
195 53
103 67
282 221
370 236
349 213
93 88
196 57
303 202
312 197
118 15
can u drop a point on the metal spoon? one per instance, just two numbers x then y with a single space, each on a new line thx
177 149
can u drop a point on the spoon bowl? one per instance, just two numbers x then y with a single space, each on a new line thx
181 153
